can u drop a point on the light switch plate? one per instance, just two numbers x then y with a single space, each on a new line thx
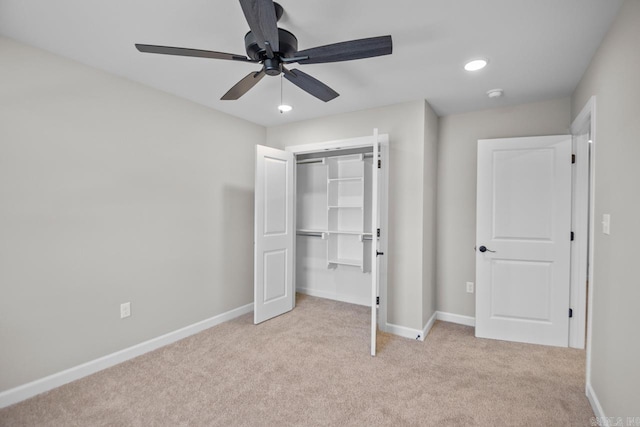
606 224
125 310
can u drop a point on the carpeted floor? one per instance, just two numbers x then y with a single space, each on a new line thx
312 367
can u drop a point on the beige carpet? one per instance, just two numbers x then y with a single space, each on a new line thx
312 367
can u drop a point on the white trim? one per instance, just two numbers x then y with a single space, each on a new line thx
588 113
580 224
414 334
411 333
456 318
601 418
333 296
579 246
25 391
403 331
429 325
585 114
363 141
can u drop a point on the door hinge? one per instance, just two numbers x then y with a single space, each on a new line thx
377 300
571 312
572 236
379 163
378 234
573 158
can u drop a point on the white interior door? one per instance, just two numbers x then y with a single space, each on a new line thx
375 207
523 239
274 233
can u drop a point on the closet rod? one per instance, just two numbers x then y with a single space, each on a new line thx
308 161
309 233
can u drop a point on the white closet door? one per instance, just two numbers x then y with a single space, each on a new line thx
274 233
374 244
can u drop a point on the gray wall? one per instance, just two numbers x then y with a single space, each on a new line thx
456 205
613 78
429 211
112 192
405 124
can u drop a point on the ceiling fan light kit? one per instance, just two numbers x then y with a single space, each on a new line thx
274 47
283 108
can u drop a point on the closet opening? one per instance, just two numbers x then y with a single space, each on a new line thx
337 200
333 226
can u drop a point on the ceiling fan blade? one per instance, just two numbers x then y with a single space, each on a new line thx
261 17
183 51
310 85
347 51
243 86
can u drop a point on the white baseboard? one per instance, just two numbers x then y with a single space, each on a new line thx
601 419
329 295
429 325
25 391
415 334
456 318
403 331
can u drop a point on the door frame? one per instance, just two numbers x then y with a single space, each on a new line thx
383 184
580 215
586 120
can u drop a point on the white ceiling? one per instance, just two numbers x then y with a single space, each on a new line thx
538 49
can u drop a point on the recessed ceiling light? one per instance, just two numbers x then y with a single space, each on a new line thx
284 108
475 65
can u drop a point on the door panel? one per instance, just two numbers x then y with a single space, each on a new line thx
523 207
275 275
524 220
275 205
274 233
521 290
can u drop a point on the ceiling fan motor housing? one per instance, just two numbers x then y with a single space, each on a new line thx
288 47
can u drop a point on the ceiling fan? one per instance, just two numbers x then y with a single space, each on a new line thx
274 47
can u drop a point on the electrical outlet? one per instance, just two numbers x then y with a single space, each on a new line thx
470 287
125 310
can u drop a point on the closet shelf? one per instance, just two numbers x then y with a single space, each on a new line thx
345 261
352 178
352 233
